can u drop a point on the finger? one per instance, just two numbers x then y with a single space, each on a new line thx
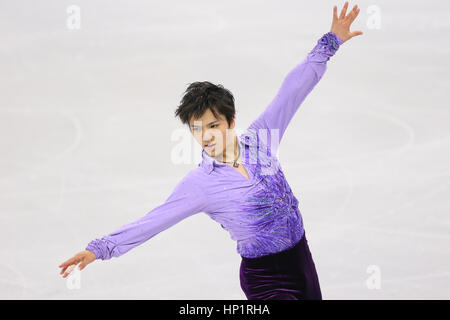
69 270
352 15
335 17
64 269
66 263
355 33
82 265
344 10
69 262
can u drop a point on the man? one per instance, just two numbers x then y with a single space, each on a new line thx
240 183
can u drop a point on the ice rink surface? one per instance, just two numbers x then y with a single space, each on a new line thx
87 131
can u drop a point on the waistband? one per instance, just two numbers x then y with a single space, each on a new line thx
275 257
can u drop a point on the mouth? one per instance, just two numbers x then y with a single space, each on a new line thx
210 147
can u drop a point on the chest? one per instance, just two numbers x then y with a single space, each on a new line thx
241 170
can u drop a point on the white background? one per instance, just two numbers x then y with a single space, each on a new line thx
87 116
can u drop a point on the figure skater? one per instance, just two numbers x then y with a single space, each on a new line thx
239 182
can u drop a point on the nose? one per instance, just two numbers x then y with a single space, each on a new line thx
208 136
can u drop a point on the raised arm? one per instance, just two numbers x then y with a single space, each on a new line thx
298 83
185 200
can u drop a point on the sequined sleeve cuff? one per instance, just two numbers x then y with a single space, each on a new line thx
326 47
331 41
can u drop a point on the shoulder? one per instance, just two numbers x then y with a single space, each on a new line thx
260 142
196 181
193 177
189 190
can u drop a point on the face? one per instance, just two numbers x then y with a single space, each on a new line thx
211 133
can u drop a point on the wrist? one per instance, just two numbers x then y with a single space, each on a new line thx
332 39
92 254
338 38
91 248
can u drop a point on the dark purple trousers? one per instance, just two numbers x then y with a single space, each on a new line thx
286 275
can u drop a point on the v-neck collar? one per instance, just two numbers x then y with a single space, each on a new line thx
209 163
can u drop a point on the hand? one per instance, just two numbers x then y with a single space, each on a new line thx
85 257
341 24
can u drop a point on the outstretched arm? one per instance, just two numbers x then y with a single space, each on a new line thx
298 83
185 200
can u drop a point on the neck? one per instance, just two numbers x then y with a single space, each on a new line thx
232 152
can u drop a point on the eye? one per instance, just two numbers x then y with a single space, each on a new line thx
214 125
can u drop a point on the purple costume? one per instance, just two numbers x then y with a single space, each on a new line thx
260 213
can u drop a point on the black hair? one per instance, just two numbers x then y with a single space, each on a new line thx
200 96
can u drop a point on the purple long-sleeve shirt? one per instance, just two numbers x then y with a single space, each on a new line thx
260 213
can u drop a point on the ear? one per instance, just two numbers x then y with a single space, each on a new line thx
232 124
